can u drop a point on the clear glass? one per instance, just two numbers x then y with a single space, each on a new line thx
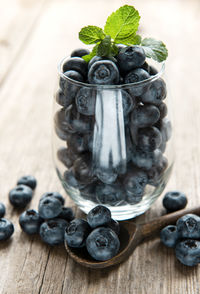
112 145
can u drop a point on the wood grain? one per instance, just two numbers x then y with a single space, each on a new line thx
39 34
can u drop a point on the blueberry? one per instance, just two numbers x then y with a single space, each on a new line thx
68 88
89 192
106 175
79 52
130 57
29 181
142 159
135 76
166 129
188 252
114 226
174 200
93 60
129 144
61 98
63 135
63 122
163 110
109 194
74 75
20 196
2 210
78 122
128 102
76 233
54 195
77 64
156 172
6 229
152 70
85 101
169 236
67 214
103 72
70 180
149 138
102 244
83 169
77 143
188 226
49 207
30 221
134 183
155 93
145 116
66 156
52 231
98 216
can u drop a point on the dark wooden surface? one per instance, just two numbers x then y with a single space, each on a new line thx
34 36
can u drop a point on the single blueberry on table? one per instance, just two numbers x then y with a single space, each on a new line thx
130 57
49 207
98 216
52 231
102 244
54 195
77 64
174 200
67 214
76 233
2 210
169 236
30 221
155 93
85 101
20 196
79 52
6 229
188 226
109 194
29 181
103 72
188 252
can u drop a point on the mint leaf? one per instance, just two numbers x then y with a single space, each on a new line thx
132 40
155 49
91 35
104 47
122 23
88 57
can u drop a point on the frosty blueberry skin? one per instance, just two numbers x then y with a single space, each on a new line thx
6 229
30 221
20 196
188 252
52 231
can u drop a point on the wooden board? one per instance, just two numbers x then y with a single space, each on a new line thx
34 36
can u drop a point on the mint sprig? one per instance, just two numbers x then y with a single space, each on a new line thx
120 28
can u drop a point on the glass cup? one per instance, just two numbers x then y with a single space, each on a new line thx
112 145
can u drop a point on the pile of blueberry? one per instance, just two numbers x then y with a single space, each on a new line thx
99 234
184 237
147 128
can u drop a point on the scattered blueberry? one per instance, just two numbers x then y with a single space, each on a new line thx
76 233
30 221
174 200
2 210
98 216
52 231
67 214
29 181
188 226
6 229
49 207
169 236
103 72
102 244
20 196
54 195
188 252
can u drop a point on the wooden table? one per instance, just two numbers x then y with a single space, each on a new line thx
34 36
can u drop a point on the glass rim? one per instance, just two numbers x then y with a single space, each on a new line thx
118 86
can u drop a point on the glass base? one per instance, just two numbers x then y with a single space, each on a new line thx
123 211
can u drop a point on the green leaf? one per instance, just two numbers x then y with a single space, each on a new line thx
88 57
132 40
104 47
155 49
122 23
91 35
